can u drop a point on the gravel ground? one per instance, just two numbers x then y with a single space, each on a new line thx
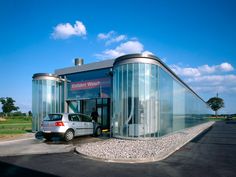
145 150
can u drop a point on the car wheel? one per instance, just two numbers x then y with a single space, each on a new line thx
69 135
39 135
98 131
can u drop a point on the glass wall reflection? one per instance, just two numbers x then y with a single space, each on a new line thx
135 100
148 101
47 97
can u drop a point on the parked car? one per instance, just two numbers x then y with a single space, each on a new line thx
69 125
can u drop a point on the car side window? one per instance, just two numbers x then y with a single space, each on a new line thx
74 117
78 118
85 118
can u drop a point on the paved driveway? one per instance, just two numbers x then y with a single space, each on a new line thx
212 154
30 145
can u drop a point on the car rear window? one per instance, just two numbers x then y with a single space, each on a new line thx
53 117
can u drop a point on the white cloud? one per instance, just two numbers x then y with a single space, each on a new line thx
226 67
207 78
111 37
124 48
206 69
130 47
201 70
146 52
214 79
116 39
65 31
124 45
103 36
187 72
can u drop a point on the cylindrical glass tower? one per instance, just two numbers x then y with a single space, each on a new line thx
150 100
47 97
135 96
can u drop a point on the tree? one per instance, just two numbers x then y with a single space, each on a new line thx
29 113
215 103
8 105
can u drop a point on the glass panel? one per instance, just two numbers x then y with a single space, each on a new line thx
154 102
73 106
105 101
88 106
140 126
79 106
149 102
89 85
45 99
178 106
99 115
104 117
166 102
136 99
99 101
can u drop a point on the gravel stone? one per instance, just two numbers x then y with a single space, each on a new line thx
126 150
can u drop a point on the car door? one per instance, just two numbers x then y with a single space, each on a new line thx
88 124
76 124
81 125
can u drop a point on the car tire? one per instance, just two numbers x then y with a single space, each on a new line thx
69 135
39 135
98 131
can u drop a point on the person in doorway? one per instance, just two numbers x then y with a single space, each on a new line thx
94 115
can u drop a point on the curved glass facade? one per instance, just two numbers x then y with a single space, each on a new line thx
47 97
150 101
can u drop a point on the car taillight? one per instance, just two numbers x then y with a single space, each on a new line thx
59 124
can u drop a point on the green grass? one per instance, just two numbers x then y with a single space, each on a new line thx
16 125
219 119
216 119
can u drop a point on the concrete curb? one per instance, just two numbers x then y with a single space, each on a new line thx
144 160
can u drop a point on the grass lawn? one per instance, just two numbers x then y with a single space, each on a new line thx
219 119
15 125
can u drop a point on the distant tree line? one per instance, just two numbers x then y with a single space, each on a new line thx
9 108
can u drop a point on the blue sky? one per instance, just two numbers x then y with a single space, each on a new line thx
196 38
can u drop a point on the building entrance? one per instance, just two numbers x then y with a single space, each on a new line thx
102 105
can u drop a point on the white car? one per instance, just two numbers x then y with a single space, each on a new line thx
69 125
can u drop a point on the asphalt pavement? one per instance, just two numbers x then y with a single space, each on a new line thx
32 146
28 145
211 154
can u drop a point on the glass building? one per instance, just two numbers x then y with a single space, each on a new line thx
149 100
136 95
47 97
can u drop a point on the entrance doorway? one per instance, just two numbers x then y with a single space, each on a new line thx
102 105
103 109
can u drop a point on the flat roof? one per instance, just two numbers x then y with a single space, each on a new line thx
86 67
